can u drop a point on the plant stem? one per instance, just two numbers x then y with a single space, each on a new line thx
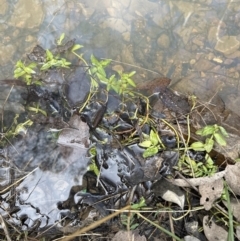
161 228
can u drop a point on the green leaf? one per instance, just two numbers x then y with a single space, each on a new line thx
32 65
93 151
146 143
112 81
141 204
153 138
76 47
116 87
21 127
95 61
209 144
19 64
132 73
134 226
223 131
18 70
102 78
105 62
59 42
29 70
151 151
209 161
93 167
18 73
65 63
207 130
93 70
49 54
220 139
101 71
131 82
46 66
198 146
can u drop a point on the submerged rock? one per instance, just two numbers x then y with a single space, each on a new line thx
77 88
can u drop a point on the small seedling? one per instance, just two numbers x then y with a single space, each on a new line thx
25 71
93 166
37 110
152 143
61 38
130 220
54 61
213 133
217 134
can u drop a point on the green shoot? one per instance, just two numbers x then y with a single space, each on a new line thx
230 214
61 38
54 61
37 110
26 72
152 143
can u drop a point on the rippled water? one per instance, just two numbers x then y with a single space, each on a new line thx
194 43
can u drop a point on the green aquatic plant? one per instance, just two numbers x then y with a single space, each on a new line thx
121 84
54 61
93 166
25 71
29 72
16 128
61 38
36 109
213 134
151 143
190 167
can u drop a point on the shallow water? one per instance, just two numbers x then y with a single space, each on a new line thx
196 44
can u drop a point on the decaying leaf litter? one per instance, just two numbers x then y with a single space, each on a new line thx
139 149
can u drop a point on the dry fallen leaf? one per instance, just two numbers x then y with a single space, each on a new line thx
169 192
214 232
128 236
191 238
77 136
232 177
235 207
210 192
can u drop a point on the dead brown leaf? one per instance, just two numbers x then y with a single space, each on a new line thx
169 192
212 231
128 236
235 207
191 238
77 136
210 192
232 177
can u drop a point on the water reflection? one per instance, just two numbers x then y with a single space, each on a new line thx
196 44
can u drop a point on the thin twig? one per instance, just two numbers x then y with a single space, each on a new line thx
19 180
132 65
171 225
5 228
95 224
